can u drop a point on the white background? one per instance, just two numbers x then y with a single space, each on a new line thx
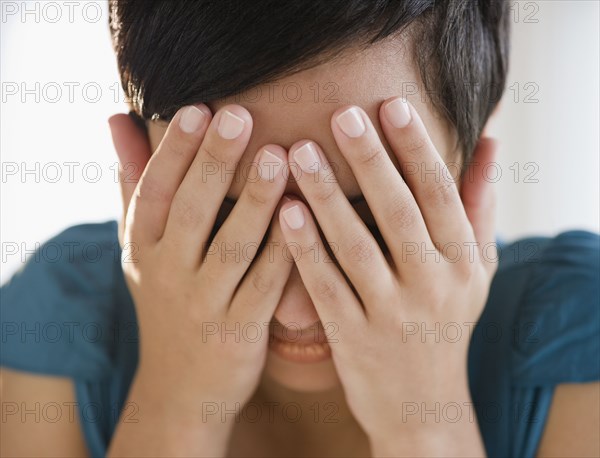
554 64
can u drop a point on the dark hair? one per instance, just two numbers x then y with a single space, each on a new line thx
174 53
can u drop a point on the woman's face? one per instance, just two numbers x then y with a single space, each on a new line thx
300 107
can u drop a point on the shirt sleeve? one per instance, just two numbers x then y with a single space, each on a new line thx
556 332
539 329
57 311
557 328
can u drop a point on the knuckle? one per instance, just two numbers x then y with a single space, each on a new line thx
261 283
255 196
176 147
305 251
324 194
326 289
152 190
465 269
415 146
361 249
372 156
210 276
186 214
401 214
442 193
208 152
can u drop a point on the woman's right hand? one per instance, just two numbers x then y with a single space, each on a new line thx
202 308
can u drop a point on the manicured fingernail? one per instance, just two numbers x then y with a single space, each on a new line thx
351 123
268 165
294 217
230 125
398 113
191 119
307 158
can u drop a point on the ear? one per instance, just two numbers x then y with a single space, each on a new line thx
133 150
497 109
478 196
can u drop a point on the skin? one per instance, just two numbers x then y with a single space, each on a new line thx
361 77
170 209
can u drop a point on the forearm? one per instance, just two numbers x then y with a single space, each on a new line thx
163 427
439 429
456 440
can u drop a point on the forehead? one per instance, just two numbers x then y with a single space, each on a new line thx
299 106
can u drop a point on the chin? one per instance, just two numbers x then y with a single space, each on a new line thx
301 376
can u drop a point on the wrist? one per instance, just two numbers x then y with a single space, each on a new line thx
442 426
185 418
172 389
462 439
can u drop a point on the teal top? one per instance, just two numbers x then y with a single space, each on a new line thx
68 312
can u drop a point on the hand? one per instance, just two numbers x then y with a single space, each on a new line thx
189 294
437 274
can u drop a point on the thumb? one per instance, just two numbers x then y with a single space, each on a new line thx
133 150
479 198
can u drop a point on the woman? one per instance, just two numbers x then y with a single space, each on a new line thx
308 251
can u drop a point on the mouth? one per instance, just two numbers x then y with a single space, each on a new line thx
299 352
308 345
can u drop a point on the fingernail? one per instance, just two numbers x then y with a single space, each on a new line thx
307 158
398 113
268 165
230 125
351 123
294 217
191 119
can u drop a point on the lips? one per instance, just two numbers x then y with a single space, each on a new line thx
293 333
293 343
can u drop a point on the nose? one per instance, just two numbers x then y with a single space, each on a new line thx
296 309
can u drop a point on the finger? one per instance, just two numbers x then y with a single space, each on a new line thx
195 205
236 243
351 241
133 150
427 175
479 199
167 167
332 296
260 291
389 198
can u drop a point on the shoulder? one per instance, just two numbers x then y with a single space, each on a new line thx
556 294
542 317
572 256
58 309
77 260
538 331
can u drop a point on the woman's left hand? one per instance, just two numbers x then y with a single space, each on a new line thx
405 323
